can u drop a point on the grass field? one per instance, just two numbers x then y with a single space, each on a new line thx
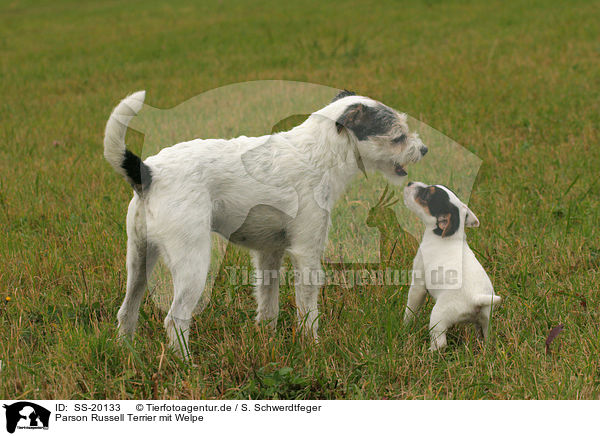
516 83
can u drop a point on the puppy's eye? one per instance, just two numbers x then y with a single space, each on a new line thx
400 139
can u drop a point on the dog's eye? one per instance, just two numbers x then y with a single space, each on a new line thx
400 139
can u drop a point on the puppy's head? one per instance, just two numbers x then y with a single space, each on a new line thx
380 134
439 208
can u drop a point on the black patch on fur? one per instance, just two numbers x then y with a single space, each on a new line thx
342 94
138 172
438 202
365 121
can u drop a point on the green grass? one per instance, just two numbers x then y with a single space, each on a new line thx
515 83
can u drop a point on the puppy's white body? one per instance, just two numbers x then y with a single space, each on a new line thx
464 293
272 194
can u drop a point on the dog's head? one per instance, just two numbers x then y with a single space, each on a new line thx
439 208
380 134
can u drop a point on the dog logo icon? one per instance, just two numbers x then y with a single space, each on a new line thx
26 415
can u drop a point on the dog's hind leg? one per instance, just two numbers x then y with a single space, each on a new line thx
483 324
141 258
267 264
188 259
441 319
484 304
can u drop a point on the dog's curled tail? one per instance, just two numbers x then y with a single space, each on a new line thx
122 160
482 300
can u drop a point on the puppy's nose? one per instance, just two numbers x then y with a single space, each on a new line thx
410 184
424 150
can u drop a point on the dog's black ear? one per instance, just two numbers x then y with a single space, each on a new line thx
351 118
447 223
365 121
342 94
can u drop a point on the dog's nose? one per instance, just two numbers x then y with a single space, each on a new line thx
424 150
410 184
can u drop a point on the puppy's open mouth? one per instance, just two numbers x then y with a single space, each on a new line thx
399 170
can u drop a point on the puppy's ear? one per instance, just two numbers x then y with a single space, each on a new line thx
470 219
447 223
443 222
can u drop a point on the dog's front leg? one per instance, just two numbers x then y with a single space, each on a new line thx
267 264
308 278
440 321
417 291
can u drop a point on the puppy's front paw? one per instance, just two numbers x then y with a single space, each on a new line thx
438 343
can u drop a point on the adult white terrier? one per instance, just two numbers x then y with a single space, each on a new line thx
272 194
462 290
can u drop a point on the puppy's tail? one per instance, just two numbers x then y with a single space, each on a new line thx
482 300
122 160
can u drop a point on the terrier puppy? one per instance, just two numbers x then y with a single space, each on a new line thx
445 266
272 194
